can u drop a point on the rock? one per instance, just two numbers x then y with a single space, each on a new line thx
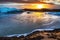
37 35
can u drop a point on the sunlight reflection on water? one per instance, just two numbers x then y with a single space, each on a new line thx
24 23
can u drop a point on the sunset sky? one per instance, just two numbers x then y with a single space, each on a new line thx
19 0
29 1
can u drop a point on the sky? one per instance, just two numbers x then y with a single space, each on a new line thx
27 1
19 0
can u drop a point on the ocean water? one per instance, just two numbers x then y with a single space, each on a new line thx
24 23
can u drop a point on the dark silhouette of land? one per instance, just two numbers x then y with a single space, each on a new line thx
34 10
43 10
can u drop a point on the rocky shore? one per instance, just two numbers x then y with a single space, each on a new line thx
37 35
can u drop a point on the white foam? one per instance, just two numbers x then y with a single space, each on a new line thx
18 35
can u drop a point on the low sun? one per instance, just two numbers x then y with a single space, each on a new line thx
39 6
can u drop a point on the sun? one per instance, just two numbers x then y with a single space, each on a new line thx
40 6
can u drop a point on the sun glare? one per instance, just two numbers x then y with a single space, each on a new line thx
39 6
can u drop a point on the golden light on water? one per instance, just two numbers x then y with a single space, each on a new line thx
34 18
38 14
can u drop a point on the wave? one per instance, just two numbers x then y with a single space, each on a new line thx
25 34
41 18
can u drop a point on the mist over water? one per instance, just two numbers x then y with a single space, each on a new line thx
24 22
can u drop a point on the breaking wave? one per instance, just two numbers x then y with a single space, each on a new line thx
37 19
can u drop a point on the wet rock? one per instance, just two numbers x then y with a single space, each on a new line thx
37 35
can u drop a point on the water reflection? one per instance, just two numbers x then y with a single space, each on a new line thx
24 22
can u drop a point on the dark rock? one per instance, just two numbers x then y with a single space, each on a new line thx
37 35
